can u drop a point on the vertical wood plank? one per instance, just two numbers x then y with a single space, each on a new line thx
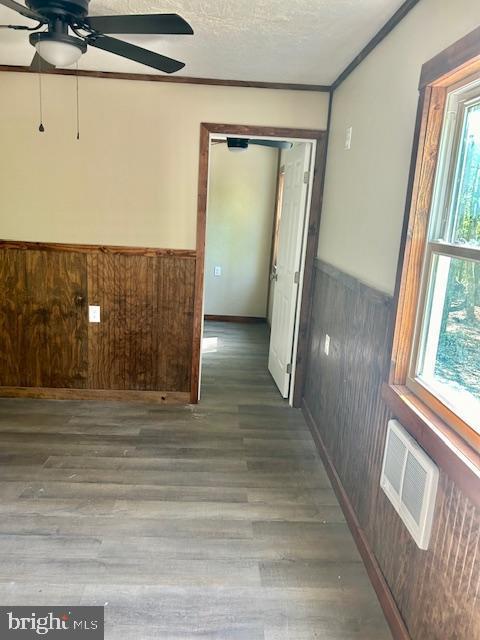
43 322
12 317
56 323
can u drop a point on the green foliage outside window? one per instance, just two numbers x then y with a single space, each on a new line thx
458 357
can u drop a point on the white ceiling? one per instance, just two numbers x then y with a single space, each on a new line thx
299 41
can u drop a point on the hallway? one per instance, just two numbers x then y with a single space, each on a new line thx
215 522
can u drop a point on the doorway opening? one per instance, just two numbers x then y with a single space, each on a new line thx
283 263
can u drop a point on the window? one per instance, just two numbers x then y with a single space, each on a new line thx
445 363
433 385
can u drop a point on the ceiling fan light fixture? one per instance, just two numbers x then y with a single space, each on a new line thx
59 50
60 54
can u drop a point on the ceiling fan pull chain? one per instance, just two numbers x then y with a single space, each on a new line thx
78 107
41 128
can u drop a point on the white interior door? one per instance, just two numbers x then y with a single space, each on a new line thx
296 162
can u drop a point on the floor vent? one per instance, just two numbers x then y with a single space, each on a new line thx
409 478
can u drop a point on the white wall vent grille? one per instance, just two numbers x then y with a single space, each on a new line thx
410 478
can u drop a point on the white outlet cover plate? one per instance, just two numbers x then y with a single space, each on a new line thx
93 313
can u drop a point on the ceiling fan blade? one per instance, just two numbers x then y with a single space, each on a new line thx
160 23
278 144
23 10
137 54
40 65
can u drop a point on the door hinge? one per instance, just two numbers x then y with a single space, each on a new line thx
296 277
289 367
306 177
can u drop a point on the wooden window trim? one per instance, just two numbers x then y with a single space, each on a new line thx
446 415
458 456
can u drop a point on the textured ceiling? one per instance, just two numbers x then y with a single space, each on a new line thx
299 41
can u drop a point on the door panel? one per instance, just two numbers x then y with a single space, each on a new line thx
296 162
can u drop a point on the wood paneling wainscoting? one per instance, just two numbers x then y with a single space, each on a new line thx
436 591
141 349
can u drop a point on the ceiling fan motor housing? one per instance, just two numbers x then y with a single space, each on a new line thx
76 9
56 46
237 143
57 36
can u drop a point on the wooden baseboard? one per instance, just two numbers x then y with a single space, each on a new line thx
385 597
245 319
120 395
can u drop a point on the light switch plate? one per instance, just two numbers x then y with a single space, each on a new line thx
348 138
93 313
326 346
217 272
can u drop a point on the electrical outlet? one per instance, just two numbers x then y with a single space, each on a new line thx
93 313
326 346
348 138
217 272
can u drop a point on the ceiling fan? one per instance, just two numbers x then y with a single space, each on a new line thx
242 144
57 47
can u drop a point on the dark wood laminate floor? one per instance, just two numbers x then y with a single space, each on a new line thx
214 522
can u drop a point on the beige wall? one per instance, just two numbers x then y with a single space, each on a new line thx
241 203
132 178
366 186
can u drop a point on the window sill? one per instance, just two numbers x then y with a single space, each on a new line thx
450 452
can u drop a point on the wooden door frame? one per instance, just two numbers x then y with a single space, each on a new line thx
314 135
